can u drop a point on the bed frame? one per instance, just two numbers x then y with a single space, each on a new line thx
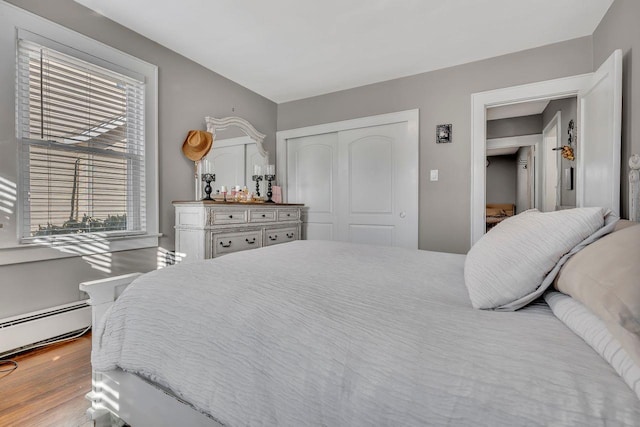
119 398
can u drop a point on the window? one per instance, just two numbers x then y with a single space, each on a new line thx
81 130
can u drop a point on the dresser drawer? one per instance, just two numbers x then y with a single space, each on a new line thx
227 216
207 230
288 214
262 215
280 235
225 243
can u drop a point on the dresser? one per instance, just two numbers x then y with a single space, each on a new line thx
208 229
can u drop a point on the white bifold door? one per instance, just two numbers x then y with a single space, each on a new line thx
359 185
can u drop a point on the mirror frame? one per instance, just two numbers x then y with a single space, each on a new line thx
214 125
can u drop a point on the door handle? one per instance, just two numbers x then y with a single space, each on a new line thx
403 214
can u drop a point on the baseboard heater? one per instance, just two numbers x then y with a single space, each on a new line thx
21 331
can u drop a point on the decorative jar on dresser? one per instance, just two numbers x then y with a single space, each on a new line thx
208 229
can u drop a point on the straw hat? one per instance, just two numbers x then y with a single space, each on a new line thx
197 144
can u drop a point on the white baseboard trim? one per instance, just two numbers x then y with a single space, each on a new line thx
30 328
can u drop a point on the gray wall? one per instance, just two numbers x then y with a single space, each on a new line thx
187 93
514 126
620 29
506 182
502 179
568 108
443 96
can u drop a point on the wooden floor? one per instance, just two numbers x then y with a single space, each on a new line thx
48 387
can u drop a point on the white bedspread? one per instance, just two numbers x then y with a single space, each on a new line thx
314 333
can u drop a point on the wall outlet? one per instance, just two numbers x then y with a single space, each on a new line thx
434 174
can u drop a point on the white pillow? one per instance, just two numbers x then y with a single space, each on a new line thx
594 331
517 260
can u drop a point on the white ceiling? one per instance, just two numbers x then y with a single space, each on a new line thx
517 110
502 151
293 49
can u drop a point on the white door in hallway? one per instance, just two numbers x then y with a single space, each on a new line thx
359 185
550 164
599 137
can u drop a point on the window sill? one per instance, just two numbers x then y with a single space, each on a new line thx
75 246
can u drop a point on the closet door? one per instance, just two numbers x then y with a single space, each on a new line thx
358 185
378 193
312 177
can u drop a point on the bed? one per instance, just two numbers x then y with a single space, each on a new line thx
359 336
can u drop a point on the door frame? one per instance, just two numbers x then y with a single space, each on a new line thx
549 89
410 117
534 142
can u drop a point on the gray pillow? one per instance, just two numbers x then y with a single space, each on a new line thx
605 277
516 261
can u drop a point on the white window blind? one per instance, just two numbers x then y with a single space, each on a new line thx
81 128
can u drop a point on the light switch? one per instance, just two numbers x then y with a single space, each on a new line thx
434 174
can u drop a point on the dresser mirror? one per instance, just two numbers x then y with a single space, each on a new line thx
237 150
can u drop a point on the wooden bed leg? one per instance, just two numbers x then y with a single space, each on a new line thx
108 420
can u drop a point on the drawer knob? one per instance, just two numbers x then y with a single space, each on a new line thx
231 216
250 242
227 245
290 235
273 238
264 216
288 214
